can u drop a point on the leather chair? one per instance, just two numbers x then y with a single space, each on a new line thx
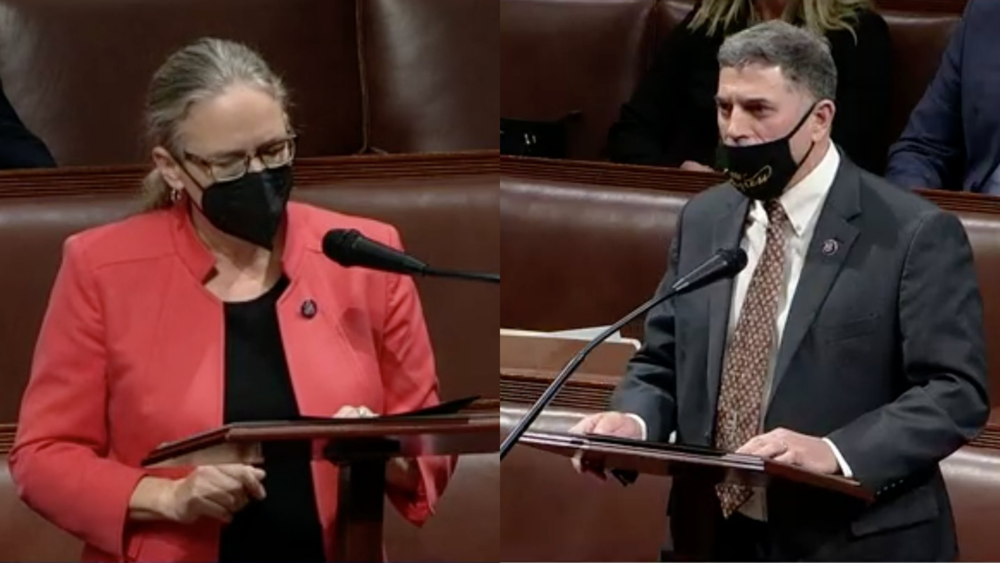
450 221
971 476
563 56
77 70
419 76
605 248
430 74
558 515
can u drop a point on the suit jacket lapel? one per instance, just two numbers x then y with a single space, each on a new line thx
828 250
727 233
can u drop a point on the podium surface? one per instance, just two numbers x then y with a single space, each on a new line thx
360 447
689 461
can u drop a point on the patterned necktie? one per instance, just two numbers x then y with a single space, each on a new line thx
748 355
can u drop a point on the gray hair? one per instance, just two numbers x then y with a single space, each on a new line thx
197 72
803 57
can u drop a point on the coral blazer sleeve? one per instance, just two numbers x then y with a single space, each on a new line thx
410 382
60 458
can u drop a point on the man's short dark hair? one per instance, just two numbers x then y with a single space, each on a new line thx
803 57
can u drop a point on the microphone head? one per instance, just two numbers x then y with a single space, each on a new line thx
725 263
348 247
340 246
735 260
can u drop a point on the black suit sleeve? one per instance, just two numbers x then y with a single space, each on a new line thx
19 147
648 388
648 120
944 401
864 84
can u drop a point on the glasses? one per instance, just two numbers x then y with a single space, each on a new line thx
271 155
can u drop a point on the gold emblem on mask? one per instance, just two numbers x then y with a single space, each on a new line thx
747 181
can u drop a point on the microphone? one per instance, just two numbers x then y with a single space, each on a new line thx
348 247
725 263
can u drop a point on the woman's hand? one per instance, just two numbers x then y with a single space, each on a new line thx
348 411
215 491
401 473
211 491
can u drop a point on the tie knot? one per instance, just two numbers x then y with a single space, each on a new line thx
775 212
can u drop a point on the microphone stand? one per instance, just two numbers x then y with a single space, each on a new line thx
551 391
456 274
725 263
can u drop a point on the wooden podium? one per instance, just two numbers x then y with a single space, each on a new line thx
360 447
633 457
527 356
696 470
529 365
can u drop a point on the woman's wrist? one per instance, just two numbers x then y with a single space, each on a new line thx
152 499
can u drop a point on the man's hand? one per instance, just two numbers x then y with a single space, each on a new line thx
608 423
793 448
695 166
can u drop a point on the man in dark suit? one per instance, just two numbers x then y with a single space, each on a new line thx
952 141
19 147
852 343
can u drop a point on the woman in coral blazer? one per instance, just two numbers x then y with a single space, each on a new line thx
215 305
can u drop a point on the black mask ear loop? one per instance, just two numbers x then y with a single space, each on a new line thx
802 122
805 117
180 164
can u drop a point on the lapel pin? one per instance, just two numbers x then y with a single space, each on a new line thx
830 247
308 308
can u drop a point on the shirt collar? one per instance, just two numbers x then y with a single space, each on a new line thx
803 201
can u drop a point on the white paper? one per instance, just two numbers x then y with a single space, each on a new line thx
584 334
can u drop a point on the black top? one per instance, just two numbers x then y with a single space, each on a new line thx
285 525
672 118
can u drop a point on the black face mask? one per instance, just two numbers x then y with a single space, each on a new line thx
763 171
251 207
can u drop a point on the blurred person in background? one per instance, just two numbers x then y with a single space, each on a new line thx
670 119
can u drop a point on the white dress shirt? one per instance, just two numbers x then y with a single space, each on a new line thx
802 204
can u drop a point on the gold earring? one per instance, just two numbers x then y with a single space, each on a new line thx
175 196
